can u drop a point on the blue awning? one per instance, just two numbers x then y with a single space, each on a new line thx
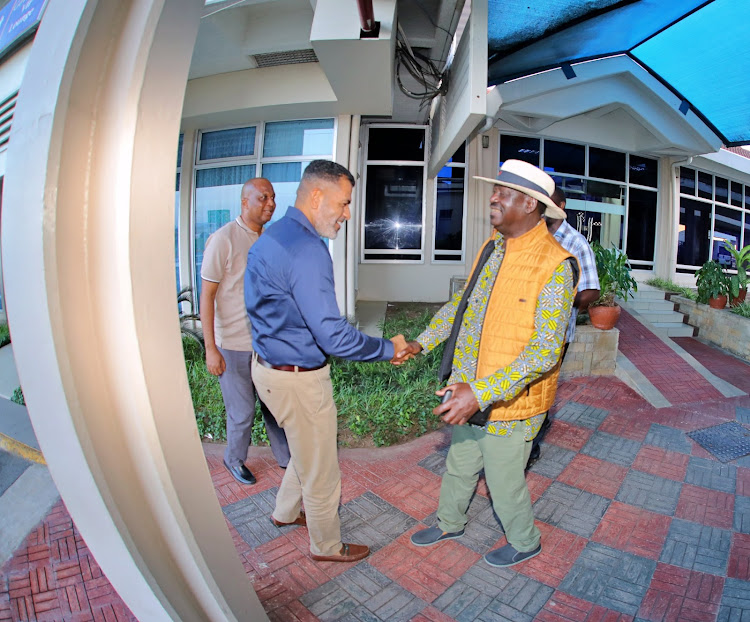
698 49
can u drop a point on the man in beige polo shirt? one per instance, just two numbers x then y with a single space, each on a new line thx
226 327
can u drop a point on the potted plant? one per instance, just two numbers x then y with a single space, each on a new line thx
613 268
713 284
738 282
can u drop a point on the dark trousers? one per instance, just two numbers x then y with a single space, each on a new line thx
548 419
239 395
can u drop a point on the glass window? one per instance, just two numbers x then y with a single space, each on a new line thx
519 148
705 185
687 181
727 226
396 143
232 143
747 197
562 157
722 190
393 213
179 150
449 211
217 201
312 137
736 194
746 238
177 232
645 171
460 156
605 164
693 232
641 224
285 178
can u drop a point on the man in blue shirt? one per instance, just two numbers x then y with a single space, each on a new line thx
296 324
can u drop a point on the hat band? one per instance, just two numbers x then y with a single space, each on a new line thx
517 180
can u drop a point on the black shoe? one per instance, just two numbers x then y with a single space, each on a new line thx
535 454
241 473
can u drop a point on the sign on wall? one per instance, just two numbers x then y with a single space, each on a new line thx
17 19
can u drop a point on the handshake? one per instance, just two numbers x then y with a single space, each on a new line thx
404 350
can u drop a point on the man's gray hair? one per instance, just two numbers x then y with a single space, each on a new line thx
326 170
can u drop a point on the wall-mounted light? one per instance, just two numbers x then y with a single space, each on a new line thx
485 142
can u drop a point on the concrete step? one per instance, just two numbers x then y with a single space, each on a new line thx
661 316
646 304
649 294
675 329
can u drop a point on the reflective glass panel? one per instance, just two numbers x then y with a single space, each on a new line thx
284 176
747 197
605 164
393 212
449 211
736 194
644 171
705 185
460 155
179 150
312 137
562 157
687 181
396 143
746 238
217 201
519 148
727 226
177 231
693 232
641 224
232 143
722 190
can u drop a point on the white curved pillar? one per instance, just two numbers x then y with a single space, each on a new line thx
87 239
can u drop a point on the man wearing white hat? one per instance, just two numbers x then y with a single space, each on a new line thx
504 334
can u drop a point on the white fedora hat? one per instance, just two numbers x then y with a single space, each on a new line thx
530 180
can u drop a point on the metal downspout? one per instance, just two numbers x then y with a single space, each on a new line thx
352 228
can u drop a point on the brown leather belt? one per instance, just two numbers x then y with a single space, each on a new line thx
265 363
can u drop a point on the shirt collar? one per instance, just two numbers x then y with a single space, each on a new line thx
295 214
563 230
243 226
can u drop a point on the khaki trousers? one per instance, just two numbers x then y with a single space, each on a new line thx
302 403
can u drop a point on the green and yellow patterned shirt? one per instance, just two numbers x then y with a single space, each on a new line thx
538 357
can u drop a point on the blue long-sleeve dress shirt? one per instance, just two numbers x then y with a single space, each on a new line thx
291 300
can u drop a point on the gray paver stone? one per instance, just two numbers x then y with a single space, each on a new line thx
697 547
650 492
621 451
668 438
712 474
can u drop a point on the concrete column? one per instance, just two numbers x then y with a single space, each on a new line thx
88 230
667 219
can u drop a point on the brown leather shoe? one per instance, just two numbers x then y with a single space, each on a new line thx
300 520
348 553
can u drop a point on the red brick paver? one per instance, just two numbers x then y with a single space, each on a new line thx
667 371
632 529
678 594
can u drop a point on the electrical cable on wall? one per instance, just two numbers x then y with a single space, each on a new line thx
422 69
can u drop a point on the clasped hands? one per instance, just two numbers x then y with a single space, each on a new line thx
462 403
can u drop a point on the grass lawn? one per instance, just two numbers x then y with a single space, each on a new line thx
379 404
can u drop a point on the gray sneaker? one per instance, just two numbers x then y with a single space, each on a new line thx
433 535
508 556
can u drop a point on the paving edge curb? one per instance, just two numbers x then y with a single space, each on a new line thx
18 448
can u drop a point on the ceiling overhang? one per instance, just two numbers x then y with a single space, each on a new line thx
613 102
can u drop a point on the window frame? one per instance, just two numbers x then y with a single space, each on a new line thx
460 255
256 160
366 163
743 209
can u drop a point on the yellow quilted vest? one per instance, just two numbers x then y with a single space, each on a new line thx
528 263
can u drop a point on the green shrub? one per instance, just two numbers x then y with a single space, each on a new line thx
4 334
386 402
712 281
671 286
210 415
17 396
376 400
742 309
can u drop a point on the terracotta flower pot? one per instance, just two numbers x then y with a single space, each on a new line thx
739 299
604 318
717 303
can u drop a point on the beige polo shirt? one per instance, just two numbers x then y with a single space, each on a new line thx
224 262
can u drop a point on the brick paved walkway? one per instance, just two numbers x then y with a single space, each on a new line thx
638 523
